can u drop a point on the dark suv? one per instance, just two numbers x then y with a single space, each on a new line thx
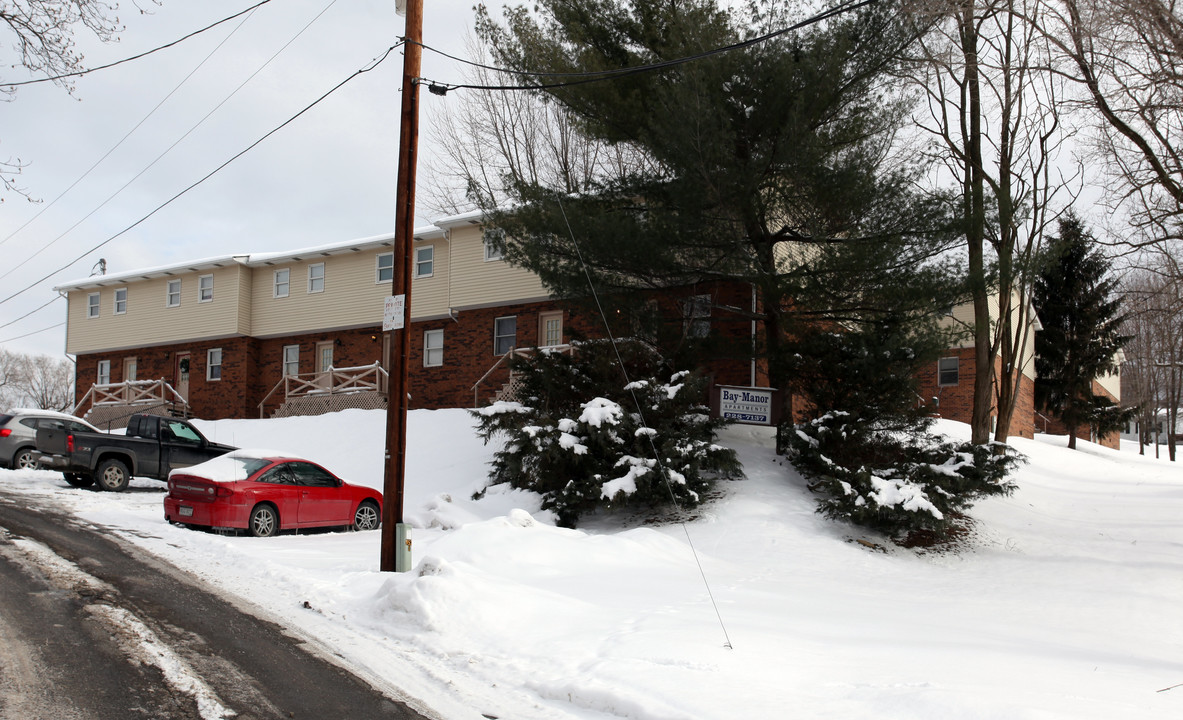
18 434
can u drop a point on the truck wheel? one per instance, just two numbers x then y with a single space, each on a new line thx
79 481
112 475
23 459
264 521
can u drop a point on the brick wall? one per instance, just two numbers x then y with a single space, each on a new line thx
955 402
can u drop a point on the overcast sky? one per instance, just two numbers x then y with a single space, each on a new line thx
328 176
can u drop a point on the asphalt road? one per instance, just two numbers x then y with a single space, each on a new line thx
89 631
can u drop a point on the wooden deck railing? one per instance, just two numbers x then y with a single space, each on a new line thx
131 392
334 381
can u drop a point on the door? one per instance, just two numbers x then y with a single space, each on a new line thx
324 363
321 500
182 376
550 329
129 375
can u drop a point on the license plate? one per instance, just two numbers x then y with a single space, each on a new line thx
186 511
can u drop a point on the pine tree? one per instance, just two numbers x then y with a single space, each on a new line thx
771 166
1081 317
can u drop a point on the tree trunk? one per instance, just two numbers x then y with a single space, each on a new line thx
974 198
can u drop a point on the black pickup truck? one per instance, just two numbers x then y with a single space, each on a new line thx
152 447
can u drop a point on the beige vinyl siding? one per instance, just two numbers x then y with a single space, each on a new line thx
476 283
147 321
963 319
429 295
350 298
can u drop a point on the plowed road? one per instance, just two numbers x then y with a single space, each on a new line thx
91 632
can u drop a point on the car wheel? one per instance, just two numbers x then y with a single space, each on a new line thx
367 516
113 475
264 521
23 460
79 481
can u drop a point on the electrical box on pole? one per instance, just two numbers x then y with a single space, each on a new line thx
396 541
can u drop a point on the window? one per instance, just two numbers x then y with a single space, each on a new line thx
492 250
205 288
121 301
172 295
947 371
424 258
213 364
696 316
104 373
291 359
316 278
433 348
92 305
282 283
505 334
310 475
385 270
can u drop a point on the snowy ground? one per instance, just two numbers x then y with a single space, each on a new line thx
1064 604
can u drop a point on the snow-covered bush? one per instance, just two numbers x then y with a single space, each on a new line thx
908 485
583 438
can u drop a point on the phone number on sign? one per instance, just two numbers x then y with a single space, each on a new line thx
746 417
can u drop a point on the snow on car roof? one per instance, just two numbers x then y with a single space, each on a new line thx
236 465
47 413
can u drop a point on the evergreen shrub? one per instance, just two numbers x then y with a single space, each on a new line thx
576 436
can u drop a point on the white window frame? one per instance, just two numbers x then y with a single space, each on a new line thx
381 267
293 361
213 364
942 370
286 283
433 348
498 337
492 252
103 373
93 305
172 298
313 277
120 305
420 252
205 290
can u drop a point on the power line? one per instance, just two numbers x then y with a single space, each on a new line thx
52 300
178 41
35 332
374 64
591 76
114 147
178 140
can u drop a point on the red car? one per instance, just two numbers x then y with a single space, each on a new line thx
265 492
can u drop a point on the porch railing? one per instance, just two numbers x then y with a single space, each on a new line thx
334 381
131 392
510 385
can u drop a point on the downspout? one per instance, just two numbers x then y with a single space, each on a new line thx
752 379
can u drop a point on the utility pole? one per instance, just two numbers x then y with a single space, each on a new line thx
396 540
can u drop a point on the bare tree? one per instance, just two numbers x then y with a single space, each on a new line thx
492 140
36 381
994 112
41 34
1127 57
